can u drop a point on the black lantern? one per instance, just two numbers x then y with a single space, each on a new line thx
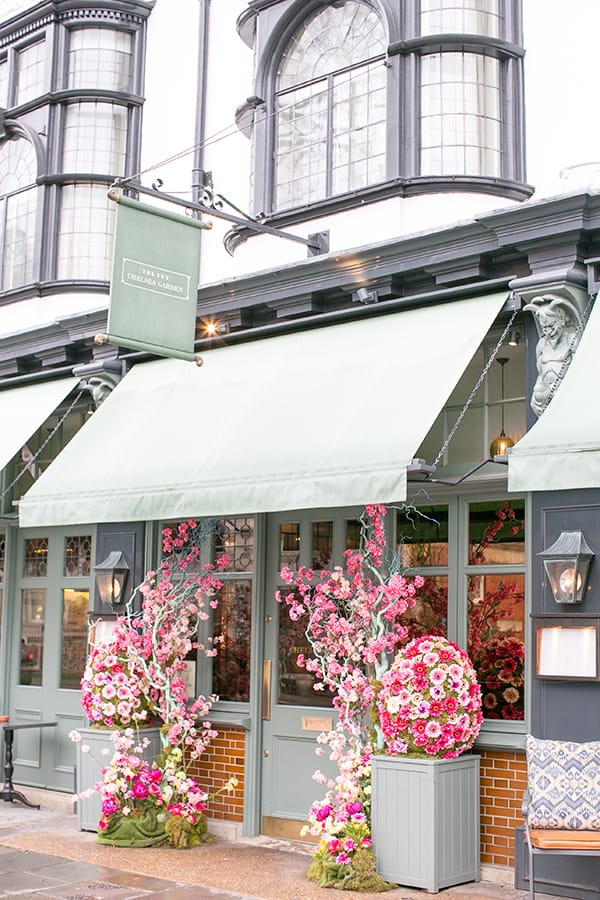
567 564
111 578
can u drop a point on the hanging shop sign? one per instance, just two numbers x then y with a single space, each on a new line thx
153 292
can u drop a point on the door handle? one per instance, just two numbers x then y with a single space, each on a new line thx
266 690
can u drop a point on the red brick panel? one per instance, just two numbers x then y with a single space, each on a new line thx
223 758
503 780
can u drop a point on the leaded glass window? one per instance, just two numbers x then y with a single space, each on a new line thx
330 106
78 555
235 538
35 558
85 241
18 207
460 115
461 17
95 138
31 72
99 58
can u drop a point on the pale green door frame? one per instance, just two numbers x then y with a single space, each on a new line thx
50 597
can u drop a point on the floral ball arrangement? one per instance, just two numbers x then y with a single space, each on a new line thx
430 702
115 691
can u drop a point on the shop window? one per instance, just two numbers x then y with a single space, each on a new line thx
478 580
228 627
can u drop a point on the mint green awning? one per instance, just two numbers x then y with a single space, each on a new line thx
24 409
562 449
326 417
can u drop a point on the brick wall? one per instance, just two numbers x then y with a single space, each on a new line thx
503 780
223 758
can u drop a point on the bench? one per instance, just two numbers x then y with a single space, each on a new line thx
561 805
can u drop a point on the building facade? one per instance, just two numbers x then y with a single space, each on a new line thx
401 268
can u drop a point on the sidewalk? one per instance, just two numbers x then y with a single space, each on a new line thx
44 855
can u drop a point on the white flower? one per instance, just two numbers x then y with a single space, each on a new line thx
74 736
126 810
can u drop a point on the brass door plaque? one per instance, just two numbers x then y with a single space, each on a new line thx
314 723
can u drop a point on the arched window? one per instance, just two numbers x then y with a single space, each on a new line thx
330 105
18 208
365 100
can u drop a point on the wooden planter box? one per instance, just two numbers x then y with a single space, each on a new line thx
90 765
425 820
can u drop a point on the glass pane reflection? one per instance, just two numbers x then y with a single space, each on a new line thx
74 637
496 642
232 621
294 683
33 613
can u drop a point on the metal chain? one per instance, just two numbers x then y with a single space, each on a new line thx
568 356
36 455
480 380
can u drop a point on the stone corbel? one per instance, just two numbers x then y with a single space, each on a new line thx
99 378
557 305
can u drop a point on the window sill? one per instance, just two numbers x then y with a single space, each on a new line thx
398 187
507 736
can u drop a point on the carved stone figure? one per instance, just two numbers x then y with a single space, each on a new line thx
558 323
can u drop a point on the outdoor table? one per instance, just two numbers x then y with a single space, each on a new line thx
8 792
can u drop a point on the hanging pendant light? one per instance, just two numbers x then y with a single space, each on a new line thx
500 444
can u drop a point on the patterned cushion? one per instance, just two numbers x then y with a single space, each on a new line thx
564 784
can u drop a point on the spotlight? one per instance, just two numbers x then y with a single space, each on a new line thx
515 338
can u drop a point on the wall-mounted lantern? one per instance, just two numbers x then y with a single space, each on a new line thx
111 578
567 564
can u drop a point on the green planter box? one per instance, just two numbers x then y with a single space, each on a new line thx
425 820
90 765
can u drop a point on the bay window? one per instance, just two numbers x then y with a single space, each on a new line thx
361 100
78 75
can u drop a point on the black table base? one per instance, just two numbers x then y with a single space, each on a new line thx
9 793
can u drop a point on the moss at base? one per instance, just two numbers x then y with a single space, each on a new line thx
359 875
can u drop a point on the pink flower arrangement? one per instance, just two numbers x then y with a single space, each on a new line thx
430 702
131 787
136 677
115 691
